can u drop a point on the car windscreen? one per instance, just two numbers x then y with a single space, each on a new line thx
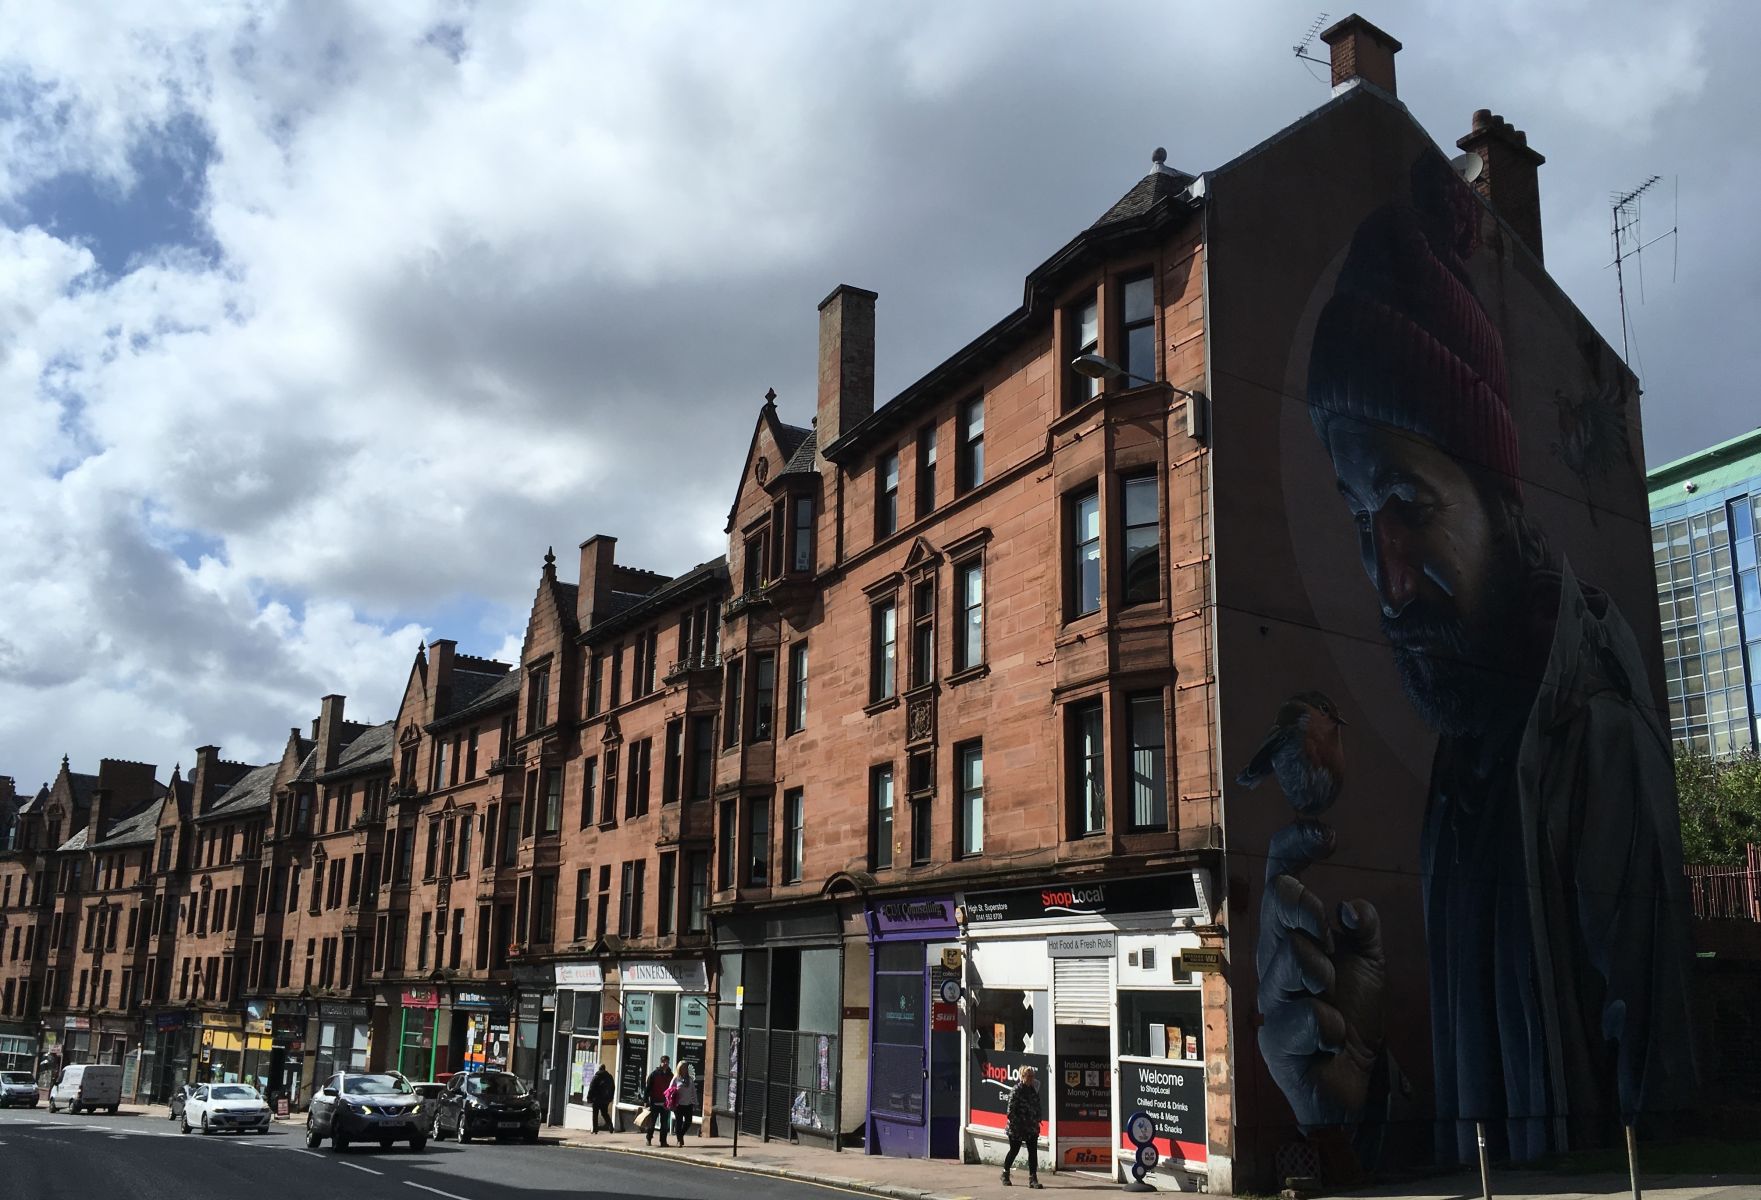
14 1077
374 1085
499 1086
232 1091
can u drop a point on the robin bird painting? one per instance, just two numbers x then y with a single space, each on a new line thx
1305 750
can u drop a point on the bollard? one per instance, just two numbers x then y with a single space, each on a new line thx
1485 1174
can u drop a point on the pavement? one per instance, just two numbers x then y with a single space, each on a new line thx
703 1165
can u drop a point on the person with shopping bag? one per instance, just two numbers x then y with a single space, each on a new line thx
681 1102
654 1092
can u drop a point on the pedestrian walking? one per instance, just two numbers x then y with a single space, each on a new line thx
1023 1120
600 1090
681 1101
654 1092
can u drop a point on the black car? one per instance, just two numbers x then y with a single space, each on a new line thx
366 1108
179 1098
487 1104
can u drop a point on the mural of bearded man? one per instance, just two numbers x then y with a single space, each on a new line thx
1554 913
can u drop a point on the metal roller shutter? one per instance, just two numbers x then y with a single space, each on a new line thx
1081 992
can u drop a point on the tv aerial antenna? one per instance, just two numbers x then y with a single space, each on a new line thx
1630 243
1301 49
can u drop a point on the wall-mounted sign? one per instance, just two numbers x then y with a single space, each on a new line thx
580 975
1209 961
1178 894
686 976
951 958
925 915
1082 945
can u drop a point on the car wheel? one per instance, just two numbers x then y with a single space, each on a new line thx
418 1143
206 1132
531 1139
52 1107
184 1120
114 1108
338 1142
312 1138
463 1131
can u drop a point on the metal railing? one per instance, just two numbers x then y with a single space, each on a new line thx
1720 892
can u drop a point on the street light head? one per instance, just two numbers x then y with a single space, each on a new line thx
1093 366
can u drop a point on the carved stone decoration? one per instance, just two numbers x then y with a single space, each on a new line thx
443 891
761 469
920 718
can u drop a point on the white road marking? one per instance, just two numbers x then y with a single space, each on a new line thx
308 1153
436 1191
358 1167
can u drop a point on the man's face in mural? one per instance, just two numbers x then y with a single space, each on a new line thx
1442 560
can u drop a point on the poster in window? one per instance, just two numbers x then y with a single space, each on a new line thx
1083 1088
691 1050
633 1068
994 1073
1174 1097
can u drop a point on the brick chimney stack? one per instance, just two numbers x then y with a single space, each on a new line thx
598 560
440 664
846 361
1509 178
204 786
1361 51
329 735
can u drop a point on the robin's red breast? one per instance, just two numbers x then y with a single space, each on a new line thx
1305 751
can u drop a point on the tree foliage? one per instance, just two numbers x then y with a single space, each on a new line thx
1720 805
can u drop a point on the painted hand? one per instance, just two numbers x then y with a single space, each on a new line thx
1321 989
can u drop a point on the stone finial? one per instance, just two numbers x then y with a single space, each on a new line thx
1160 156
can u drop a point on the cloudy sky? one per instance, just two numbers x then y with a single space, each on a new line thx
320 321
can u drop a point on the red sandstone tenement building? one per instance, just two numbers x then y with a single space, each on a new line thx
954 762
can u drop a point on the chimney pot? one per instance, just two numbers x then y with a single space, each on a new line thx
1361 51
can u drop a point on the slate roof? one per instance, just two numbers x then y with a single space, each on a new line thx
802 458
136 830
368 752
76 842
716 569
502 689
468 687
82 786
250 794
36 802
1163 183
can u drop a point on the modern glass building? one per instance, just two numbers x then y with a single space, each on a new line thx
1706 539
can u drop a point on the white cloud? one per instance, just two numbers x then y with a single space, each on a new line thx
490 278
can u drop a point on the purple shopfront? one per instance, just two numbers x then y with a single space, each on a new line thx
914 1029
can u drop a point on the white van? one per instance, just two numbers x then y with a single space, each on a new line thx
87 1086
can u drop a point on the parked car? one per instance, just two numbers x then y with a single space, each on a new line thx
17 1088
179 1099
487 1104
225 1107
430 1092
365 1108
88 1086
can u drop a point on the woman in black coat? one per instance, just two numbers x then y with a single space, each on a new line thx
1023 1121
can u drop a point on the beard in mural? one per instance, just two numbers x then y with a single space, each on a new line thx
1551 862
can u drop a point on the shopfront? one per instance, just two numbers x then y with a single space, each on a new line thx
665 1013
482 1032
1086 984
221 1047
779 1056
287 1051
343 1039
416 1028
580 994
914 1033
18 1048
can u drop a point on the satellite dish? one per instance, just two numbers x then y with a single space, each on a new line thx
1468 166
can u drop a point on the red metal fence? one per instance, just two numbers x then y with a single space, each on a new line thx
1721 892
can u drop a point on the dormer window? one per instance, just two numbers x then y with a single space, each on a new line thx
801 534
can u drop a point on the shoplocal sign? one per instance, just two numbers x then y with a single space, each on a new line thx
1174 1097
1179 894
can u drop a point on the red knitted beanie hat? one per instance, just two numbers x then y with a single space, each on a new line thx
1405 343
